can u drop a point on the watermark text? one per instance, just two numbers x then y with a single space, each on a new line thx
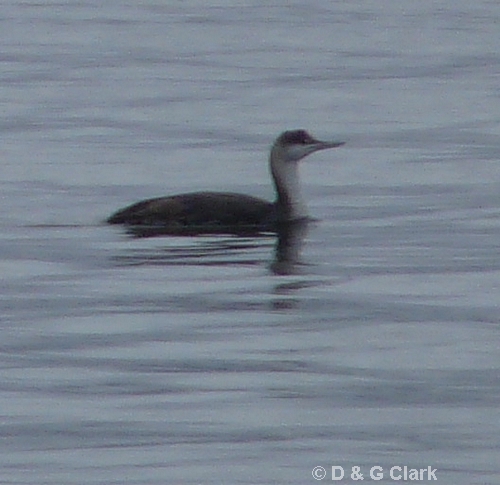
356 473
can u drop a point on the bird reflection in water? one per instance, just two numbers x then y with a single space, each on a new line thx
222 251
289 241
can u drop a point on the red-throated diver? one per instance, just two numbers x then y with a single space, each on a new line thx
220 211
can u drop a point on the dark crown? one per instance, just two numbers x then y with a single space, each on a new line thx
296 137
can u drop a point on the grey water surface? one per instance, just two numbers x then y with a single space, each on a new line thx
209 360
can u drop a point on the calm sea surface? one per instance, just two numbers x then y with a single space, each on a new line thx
204 360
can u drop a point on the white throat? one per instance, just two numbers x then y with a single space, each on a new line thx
286 179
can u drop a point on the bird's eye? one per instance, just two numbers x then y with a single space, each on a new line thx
304 138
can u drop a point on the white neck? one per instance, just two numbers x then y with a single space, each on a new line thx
286 180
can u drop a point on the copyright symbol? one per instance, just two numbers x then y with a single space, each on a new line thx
319 473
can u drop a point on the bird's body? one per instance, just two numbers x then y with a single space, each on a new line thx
198 209
221 211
